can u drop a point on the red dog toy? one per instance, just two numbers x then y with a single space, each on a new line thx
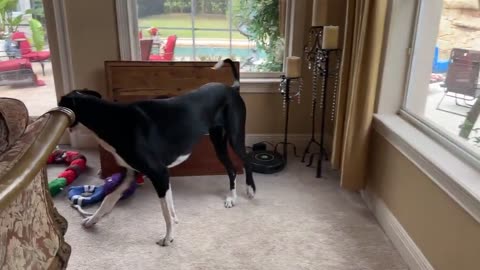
76 162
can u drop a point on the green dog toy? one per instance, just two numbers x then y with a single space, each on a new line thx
57 185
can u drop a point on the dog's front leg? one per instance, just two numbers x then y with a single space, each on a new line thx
171 207
164 202
160 180
109 202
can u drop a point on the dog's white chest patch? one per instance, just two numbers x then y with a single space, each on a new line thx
179 160
120 161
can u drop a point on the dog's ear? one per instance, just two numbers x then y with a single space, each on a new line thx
88 92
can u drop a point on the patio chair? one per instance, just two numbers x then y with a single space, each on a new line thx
461 81
27 52
146 48
169 50
18 71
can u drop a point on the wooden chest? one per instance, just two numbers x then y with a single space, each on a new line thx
129 81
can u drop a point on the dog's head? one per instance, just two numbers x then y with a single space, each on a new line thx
72 99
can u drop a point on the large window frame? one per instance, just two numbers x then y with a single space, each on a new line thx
294 31
423 38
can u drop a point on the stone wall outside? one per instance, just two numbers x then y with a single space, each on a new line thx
459 26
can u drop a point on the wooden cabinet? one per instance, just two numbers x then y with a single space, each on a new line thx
129 81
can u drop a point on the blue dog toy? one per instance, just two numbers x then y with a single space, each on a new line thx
89 194
85 195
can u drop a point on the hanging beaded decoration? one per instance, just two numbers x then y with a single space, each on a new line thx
300 89
335 86
283 90
312 55
323 69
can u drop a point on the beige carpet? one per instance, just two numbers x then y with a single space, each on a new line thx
295 222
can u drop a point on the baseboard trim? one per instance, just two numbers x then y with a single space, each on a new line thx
405 245
300 140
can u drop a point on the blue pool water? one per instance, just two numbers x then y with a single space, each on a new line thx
241 53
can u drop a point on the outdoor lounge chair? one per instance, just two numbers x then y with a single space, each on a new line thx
18 71
169 50
27 52
461 81
146 48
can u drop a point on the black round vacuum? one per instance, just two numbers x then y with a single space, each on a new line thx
267 162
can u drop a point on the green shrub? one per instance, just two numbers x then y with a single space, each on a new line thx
38 34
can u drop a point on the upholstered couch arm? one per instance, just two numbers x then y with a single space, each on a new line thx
26 161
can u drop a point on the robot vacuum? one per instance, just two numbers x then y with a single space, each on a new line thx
266 162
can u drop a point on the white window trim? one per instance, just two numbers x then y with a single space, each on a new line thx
448 169
251 82
66 65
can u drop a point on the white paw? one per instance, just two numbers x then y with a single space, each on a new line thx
229 202
175 219
89 221
164 242
250 192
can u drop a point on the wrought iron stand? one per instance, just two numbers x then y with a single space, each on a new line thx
318 62
287 98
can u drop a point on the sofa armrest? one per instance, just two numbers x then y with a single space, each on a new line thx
19 176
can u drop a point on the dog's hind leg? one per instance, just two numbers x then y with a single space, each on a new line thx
236 134
238 146
110 200
160 179
219 141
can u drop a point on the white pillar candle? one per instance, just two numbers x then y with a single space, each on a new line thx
330 37
294 67
319 16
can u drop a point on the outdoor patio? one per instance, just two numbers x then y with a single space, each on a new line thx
447 121
38 99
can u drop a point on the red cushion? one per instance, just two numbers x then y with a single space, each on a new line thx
170 46
15 64
169 50
37 56
155 57
24 44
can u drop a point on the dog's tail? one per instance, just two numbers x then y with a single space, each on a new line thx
219 64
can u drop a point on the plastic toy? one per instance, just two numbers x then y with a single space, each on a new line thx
76 162
89 194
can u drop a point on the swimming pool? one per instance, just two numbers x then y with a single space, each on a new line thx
215 52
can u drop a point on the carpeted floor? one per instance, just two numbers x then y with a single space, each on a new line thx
295 222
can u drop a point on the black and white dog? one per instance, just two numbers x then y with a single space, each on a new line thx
153 135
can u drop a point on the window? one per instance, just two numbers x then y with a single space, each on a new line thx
443 86
250 31
26 71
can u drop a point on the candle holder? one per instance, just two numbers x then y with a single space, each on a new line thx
287 98
318 61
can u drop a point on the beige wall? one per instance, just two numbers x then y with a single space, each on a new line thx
446 234
93 39
265 114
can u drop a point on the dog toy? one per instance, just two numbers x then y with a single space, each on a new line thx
139 179
112 183
76 162
89 194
